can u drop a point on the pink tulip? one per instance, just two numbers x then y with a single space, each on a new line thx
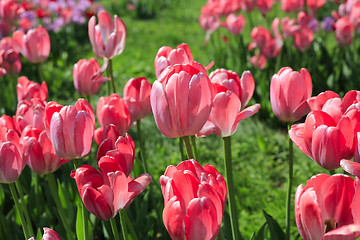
70 128
259 61
7 122
112 110
327 208
35 45
38 151
235 24
10 10
181 100
232 94
137 97
108 36
289 91
11 59
26 90
210 23
315 5
105 195
50 234
87 76
194 199
110 131
303 39
264 6
351 167
30 113
292 5
167 56
344 31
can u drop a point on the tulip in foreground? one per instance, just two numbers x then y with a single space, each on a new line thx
26 89
194 198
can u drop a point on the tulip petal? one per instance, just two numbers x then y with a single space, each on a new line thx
119 185
348 232
351 167
173 217
137 185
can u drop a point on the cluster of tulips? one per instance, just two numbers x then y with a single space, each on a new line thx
344 22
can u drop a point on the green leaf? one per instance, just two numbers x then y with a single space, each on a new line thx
39 234
276 232
79 222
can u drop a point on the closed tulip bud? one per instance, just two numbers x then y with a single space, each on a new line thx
289 91
112 110
194 199
34 45
181 100
137 98
108 36
70 128
328 208
87 76
26 90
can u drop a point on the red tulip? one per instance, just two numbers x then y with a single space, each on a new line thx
87 76
289 91
30 113
110 131
235 24
327 208
105 195
181 100
11 59
137 98
112 110
108 36
50 234
232 95
70 128
194 199
26 90
34 45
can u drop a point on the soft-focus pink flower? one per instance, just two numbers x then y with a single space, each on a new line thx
105 195
10 10
181 100
70 128
87 76
4 28
50 234
327 208
289 91
303 39
264 6
194 199
108 36
34 45
259 61
112 110
11 59
210 23
137 97
292 5
232 94
30 112
235 24
354 16
344 31
315 5
26 90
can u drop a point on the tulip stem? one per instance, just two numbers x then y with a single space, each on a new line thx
24 208
112 76
85 217
54 191
230 187
188 147
129 225
123 226
288 202
41 73
18 208
142 147
193 142
181 148
114 229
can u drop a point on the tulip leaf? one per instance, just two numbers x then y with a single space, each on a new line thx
275 230
261 233
39 234
79 222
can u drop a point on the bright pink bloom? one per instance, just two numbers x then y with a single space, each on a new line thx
292 5
7 122
261 38
264 6
108 36
235 24
112 110
34 45
289 91
167 56
194 199
30 113
355 15
303 39
11 59
38 151
50 234
110 131
10 10
105 195
351 167
26 90
232 94
315 5
87 76
181 100
137 97
70 128
344 31
327 208
210 24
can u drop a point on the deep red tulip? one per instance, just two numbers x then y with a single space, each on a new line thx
87 76
289 91
194 199
112 110
137 97
235 24
30 113
34 45
181 100
105 195
26 90
328 208
108 36
70 128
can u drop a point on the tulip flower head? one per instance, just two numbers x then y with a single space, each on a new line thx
26 89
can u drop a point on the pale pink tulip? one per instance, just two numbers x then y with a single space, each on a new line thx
50 234
26 90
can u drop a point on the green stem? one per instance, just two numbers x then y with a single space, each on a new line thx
41 73
54 191
112 76
18 208
193 143
123 226
129 224
332 172
288 202
230 187
142 147
188 147
24 208
181 148
114 229
88 99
